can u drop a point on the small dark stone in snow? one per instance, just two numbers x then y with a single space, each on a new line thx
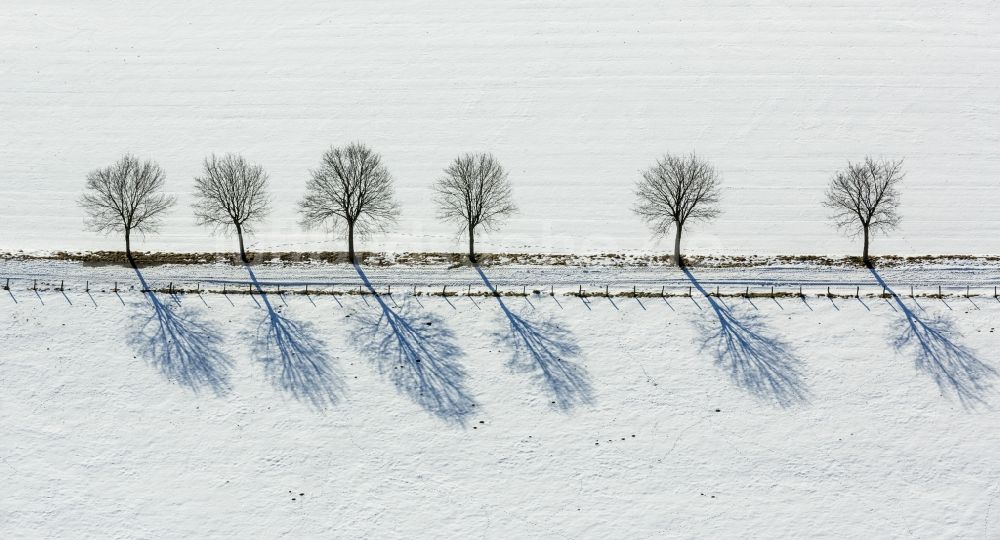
302 494
718 410
428 323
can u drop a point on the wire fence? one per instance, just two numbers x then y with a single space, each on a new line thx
617 289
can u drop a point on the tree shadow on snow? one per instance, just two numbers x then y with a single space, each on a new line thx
757 361
547 350
418 352
185 348
295 360
955 368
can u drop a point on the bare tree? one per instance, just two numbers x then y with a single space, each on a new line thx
865 198
231 196
124 197
474 192
352 189
676 190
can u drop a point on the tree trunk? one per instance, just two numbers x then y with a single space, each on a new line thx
243 253
350 242
864 256
128 248
677 245
472 245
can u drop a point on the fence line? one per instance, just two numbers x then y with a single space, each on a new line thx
469 288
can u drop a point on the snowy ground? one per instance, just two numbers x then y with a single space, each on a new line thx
953 277
556 417
574 98
152 415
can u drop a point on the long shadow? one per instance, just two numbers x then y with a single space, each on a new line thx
295 359
419 353
547 350
955 368
756 360
185 348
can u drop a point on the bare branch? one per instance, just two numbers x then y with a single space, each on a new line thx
124 197
865 196
351 189
676 190
474 192
231 195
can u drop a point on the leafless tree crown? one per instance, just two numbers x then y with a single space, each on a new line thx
351 187
474 192
865 196
676 190
124 196
231 194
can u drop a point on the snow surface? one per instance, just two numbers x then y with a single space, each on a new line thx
542 417
148 415
574 98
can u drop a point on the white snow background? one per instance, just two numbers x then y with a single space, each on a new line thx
573 97
136 415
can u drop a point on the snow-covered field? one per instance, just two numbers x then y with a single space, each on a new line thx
574 98
267 415
132 414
